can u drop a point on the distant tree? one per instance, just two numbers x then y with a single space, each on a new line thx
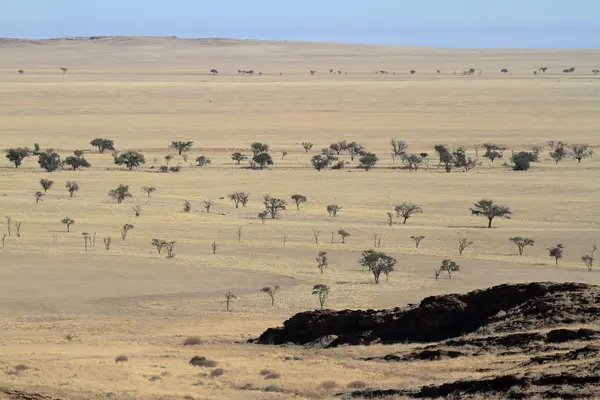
49 160
271 291
124 230
170 246
181 145
38 196
238 197
504 71
390 218
307 146
149 189
21 71
417 240
168 158
461 160
463 244
377 263
283 154
543 69
412 71
320 162
488 209
107 242
203 160
556 252
493 151
298 199
103 144
449 266
259 148
522 242
17 155
68 222
412 161
338 147
187 206
273 205
228 298
137 209
343 234
368 161
523 159
581 151
8 222
238 157
159 244
64 70
208 204
77 161
445 156
120 193
46 184
214 247
559 153
322 292
333 209
130 159
398 147
322 261
72 187
313 72
407 210
355 149
263 216
588 259
261 160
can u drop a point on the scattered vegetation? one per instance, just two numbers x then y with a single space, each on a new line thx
193 341
124 230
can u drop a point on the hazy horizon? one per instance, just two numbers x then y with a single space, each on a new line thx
459 24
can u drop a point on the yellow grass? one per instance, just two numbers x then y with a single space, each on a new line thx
145 92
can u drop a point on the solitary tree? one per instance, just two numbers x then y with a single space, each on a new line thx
17 155
38 197
322 292
343 234
203 160
377 263
207 205
271 291
522 242
333 209
68 222
120 193
559 153
72 187
239 197
228 298
181 145
368 161
103 144
137 209
398 147
449 266
588 259
130 159
46 184
322 260
463 244
77 161
407 210
261 160
488 209
149 189
49 160
556 252
298 199
238 157
159 244
418 240
273 205
307 146
124 230
581 151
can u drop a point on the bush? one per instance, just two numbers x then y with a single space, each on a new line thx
192 341
357 385
49 160
198 361
272 375
217 372
273 388
328 385
522 160
175 168
121 359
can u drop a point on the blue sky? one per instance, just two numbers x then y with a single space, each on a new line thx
443 23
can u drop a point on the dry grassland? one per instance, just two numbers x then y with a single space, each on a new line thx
146 92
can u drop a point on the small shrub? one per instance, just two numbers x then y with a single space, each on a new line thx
175 168
217 372
265 372
187 206
198 361
357 385
328 385
192 341
21 367
273 388
121 359
272 375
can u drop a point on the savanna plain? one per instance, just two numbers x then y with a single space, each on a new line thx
67 312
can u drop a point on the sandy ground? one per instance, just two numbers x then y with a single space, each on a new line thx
145 92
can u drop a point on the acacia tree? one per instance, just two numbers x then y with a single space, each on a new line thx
263 216
103 144
68 222
581 151
377 263
181 145
463 244
412 161
398 147
488 209
159 244
522 242
239 198
228 298
322 292
307 146
238 157
124 230
207 205
273 205
417 240
343 234
588 259
320 162
298 199
559 153
130 159
149 190
556 252
38 197
271 291
333 209
261 160
322 260
17 155
407 210
77 161
449 266
338 147
46 184
368 161
72 187
120 193
493 151
49 160
523 159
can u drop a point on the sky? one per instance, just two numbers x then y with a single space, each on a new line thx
435 23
